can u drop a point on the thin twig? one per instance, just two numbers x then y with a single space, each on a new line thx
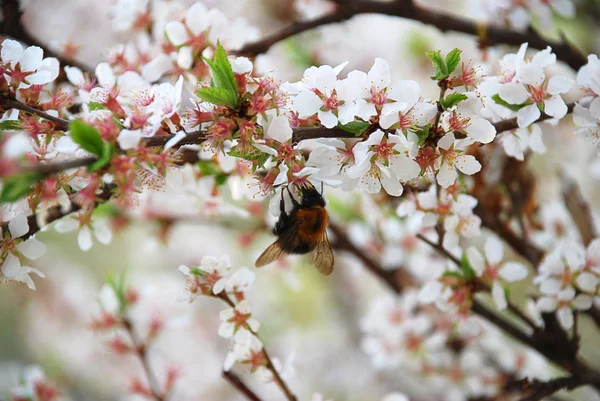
141 349
8 103
488 35
236 382
278 379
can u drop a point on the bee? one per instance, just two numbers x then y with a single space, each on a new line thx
301 231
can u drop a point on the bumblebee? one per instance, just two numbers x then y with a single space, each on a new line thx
301 231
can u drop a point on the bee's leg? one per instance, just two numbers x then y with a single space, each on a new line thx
294 201
282 203
321 188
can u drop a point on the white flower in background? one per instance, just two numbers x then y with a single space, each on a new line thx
395 397
491 269
564 302
568 278
461 222
237 318
322 94
129 14
98 227
25 67
318 397
454 158
516 142
588 123
543 9
384 160
14 247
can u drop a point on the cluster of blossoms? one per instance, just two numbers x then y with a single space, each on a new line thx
400 333
215 277
569 280
518 14
455 289
523 88
451 209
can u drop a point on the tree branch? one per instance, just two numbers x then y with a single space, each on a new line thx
488 35
236 382
8 103
539 390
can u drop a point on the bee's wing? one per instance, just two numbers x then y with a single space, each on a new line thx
322 256
271 254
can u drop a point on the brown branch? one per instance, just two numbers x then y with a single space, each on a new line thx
511 123
141 350
236 382
270 365
539 390
578 208
396 280
489 35
55 213
8 103
12 26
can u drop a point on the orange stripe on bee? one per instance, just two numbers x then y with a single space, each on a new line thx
314 222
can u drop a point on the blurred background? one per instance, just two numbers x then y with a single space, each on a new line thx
312 321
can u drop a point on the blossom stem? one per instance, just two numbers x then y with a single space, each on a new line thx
141 349
488 35
9 103
236 382
277 377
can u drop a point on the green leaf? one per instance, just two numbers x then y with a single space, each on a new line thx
87 137
355 127
453 274
222 74
96 106
208 167
439 64
17 186
514 107
218 96
106 210
10 125
107 151
252 155
221 179
452 100
452 60
422 133
465 266
118 286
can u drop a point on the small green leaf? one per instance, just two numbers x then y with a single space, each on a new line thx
106 210
355 127
452 100
86 136
96 106
465 266
10 125
252 155
208 168
17 186
107 151
452 60
221 179
439 64
218 96
453 274
222 76
118 286
422 133
514 107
